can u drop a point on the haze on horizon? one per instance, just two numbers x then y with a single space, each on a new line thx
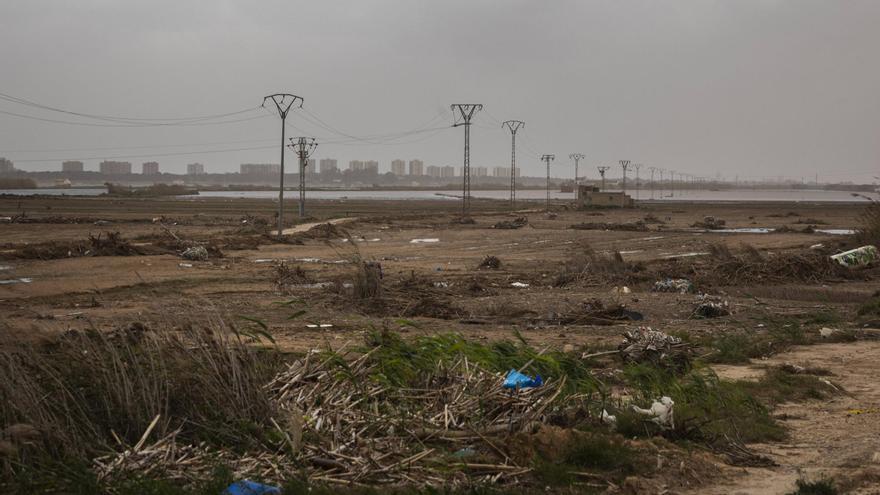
748 88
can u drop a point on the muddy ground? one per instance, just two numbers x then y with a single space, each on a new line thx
52 281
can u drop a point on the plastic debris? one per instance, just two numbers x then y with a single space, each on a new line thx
680 285
661 412
195 253
248 487
424 241
817 246
858 256
464 453
185 265
608 419
827 332
517 380
16 281
519 284
319 325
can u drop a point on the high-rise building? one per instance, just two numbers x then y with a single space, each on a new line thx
501 172
114 168
447 171
195 169
356 165
259 169
398 167
311 167
6 166
371 166
327 165
433 171
150 168
416 167
479 171
72 166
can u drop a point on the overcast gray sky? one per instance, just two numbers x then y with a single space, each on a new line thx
747 87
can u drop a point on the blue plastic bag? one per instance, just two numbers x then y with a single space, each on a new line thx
515 379
248 487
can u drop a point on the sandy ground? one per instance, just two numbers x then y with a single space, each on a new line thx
422 240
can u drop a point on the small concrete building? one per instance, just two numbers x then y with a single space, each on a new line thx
588 196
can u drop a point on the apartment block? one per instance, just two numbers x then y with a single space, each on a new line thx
195 169
398 167
416 167
150 168
72 166
114 168
327 165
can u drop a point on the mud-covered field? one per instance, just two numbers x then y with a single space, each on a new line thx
568 281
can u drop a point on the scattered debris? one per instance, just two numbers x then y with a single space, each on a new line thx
710 307
490 262
647 345
817 246
521 285
651 218
319 325
289 276
638 226
608 419
680 285
516 223
424 241
858 256
195 253
185 265
16 281
661 412
710 223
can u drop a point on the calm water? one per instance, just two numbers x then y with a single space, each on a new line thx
530 194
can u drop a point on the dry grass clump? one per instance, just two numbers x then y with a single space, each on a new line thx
88 391
286 276
586 265
751 266
490 262
104 244
367 282
869 231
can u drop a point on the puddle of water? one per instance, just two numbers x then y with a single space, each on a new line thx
744 230
836 231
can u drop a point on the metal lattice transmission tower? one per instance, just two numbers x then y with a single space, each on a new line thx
513 126
602 169
624 164
577 157
462 114
672 183
303 147
661 182
652 169
637 166
548 159
283 102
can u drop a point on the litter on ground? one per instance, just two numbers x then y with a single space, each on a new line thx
425 241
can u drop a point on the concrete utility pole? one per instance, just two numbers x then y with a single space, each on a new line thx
548 159
513 125
637 167
283 102
602 169
303 147
624 164
576 157
463 117
652 169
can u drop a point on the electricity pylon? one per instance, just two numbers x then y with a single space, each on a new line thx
624 164
652 169
513 125
303 147
576 157
466 112
283 102
637 166
602 169
548 159
672 183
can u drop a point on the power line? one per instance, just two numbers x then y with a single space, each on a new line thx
166 124
121 119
